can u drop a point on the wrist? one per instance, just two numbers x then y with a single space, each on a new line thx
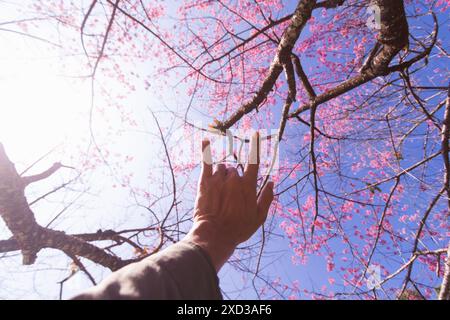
206 234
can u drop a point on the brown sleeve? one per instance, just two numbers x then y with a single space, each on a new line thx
182 271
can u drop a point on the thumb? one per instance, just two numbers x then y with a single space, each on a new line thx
264 200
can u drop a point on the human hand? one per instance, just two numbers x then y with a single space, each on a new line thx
227 210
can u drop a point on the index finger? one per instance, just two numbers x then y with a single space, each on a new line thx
206 159
251 169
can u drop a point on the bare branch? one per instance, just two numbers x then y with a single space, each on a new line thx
301 74
41 176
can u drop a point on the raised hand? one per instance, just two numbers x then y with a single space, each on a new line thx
227 210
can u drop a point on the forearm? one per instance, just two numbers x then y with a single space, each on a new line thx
206 235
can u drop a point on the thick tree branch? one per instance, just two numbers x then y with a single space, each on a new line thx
329 4
392 38
41 176
302 75
28 234
363 78
298 21
367 75
14 209
11 244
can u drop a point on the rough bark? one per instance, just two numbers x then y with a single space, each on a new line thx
393 35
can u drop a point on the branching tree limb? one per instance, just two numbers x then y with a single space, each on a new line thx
298 21
30 236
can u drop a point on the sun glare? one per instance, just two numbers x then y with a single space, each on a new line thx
40 106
